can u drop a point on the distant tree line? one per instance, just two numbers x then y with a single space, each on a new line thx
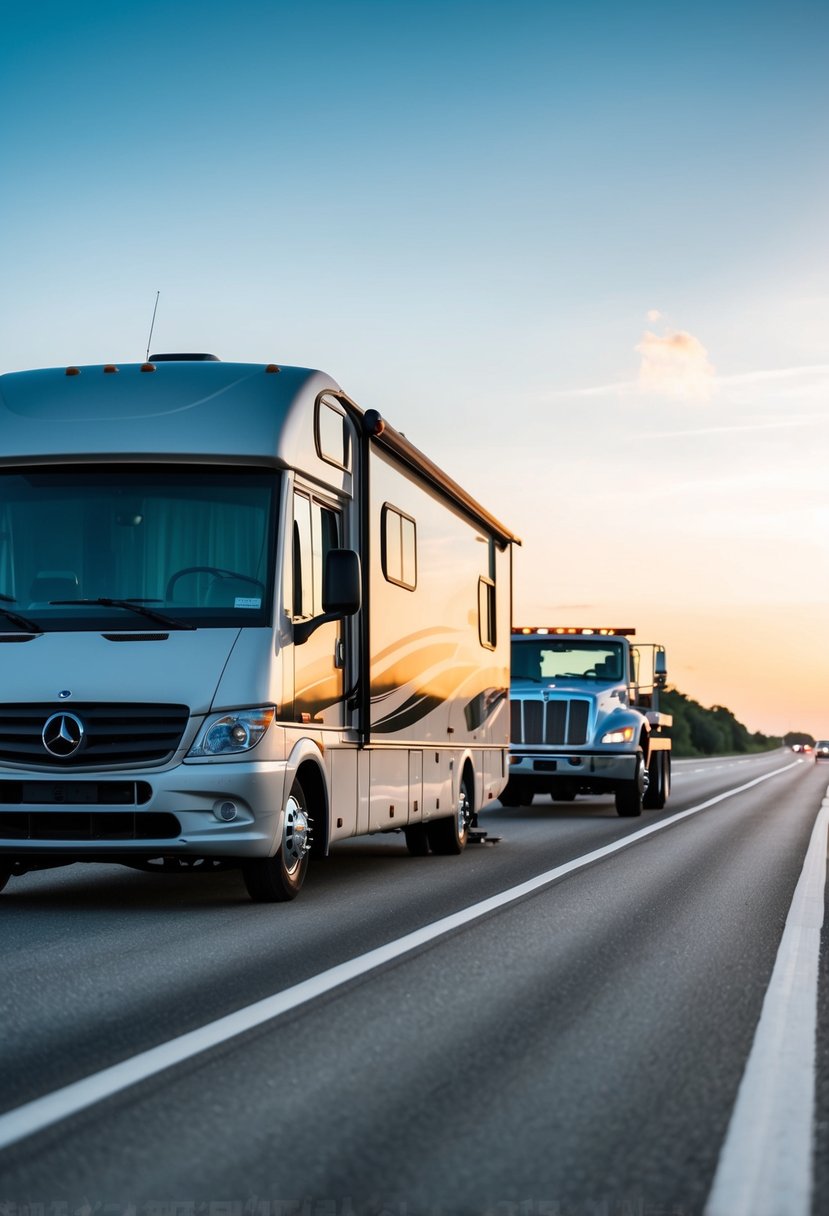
710 732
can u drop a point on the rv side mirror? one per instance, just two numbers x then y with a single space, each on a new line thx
341 594
660 668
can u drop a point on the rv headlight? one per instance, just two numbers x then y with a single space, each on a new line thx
224 734
619 736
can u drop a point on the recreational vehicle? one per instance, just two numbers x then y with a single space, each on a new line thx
240 619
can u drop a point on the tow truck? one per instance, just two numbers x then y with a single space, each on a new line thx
585 717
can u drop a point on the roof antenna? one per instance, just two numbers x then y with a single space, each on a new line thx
152 323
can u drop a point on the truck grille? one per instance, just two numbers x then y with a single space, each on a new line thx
550 722
112 734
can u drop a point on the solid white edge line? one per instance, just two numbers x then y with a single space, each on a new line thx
765 1165
43 1112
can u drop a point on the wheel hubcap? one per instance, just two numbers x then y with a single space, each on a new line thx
464 811
297 833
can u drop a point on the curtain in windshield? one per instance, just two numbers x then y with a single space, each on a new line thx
181 538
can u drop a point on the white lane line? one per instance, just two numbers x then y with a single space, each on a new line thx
35 1116
765 1166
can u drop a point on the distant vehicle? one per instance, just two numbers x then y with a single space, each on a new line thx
585 718
240 619
822 749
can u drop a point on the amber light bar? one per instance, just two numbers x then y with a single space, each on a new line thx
580 630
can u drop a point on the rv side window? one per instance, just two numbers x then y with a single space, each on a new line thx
486 612
326 536
303 600
332 434
316 531
399 547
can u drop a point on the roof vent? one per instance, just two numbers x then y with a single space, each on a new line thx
184 358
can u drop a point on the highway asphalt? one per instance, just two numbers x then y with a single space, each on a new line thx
573 1051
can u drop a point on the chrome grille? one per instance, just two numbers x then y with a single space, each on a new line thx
114 733
551 722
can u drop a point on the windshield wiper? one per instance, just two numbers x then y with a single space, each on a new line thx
16 619
131 606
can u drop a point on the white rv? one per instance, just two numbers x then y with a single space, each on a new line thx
240 619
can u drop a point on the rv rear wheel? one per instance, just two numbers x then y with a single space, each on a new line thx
279 878
512 795
449 835
417 840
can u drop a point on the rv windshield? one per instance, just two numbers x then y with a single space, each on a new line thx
550 659
194 543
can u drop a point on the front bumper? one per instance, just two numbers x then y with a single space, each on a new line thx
587 767
179 811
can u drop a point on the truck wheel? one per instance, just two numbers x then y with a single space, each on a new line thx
279 878
417 840
449 835
659 781
629 797
566 791
654 791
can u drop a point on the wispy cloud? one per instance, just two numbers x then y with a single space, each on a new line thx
783 424
781 373
815 374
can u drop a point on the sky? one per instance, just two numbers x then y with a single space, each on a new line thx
577 253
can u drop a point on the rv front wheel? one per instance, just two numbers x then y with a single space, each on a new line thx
279 878
449 835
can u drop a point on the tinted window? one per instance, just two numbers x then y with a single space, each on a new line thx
399 547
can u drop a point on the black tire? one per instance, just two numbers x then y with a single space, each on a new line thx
629 797
417 840
654 799
448 836
279 878
511 795
564 792
5 875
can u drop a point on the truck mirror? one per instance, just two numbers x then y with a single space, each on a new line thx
660 667
341 593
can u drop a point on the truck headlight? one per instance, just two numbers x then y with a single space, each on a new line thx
239 731
623 735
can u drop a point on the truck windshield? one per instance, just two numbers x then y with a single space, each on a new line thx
547 659
193 543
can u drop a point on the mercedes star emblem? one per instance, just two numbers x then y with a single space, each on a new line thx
62 734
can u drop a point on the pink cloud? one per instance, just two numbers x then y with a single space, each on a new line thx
675 365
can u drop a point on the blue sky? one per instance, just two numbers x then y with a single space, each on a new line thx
578 253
